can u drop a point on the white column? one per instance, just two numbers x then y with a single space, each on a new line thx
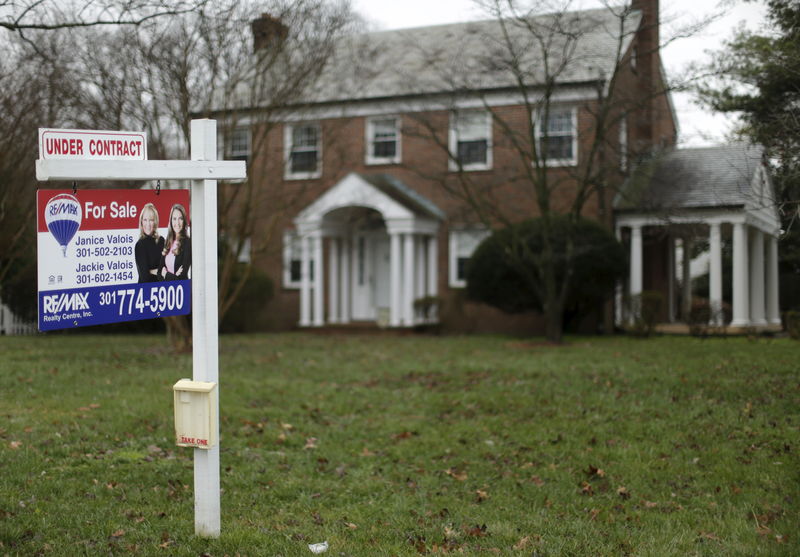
636 269
433 274
741 297
671 283
346 282
408 280
305 282
686 278
618 291
318 310
715 273
773 308
333 280
205 317
394 272
757 297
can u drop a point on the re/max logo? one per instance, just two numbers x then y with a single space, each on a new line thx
63 208
65 302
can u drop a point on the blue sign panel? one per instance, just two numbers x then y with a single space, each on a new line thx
108 256
80 307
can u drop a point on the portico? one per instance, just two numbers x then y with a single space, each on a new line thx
712 197
368 245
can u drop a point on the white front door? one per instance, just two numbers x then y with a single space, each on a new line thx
370 275
363 309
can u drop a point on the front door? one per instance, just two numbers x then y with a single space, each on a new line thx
370 274
363 309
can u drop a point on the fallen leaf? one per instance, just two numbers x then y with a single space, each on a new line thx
708 536
623 492
522 544
311 443
15 445
118 534
586 489
456 474
592 471
650 505
593 513
367 452
482 495
477 531
538 481
351 526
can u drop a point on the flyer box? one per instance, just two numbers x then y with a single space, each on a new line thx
108 256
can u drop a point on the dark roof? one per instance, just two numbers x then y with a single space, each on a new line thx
404 195
444 58
692 178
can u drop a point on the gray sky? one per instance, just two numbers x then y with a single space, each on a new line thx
698 126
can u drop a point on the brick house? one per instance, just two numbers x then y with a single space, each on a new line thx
364 179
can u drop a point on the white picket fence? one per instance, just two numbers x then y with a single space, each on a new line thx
10 324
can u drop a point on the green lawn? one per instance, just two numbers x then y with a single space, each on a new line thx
407 445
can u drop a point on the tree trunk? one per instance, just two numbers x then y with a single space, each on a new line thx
179 333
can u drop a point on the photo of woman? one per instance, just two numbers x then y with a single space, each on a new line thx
176 255
149 247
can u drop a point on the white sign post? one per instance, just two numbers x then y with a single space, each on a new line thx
204 171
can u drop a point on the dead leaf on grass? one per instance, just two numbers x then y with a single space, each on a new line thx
623 492
456 474
118 534
482 495
538 481
14 445
311 443
477 531
708 536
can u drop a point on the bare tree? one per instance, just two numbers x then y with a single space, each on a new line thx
247 64
49 15
536 59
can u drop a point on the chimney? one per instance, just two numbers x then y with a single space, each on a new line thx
648 70
268 32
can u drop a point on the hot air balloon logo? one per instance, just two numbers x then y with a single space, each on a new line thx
63 217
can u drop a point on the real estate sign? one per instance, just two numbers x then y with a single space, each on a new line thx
102 260
55 144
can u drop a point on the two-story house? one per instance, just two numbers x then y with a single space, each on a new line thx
381 179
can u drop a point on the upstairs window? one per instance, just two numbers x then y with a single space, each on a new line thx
303 151
558 137
240 145
383 140
471 140
463 244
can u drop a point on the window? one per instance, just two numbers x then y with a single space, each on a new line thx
303 151
558 143
239 145
462 245
383 140
471 140
292 261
